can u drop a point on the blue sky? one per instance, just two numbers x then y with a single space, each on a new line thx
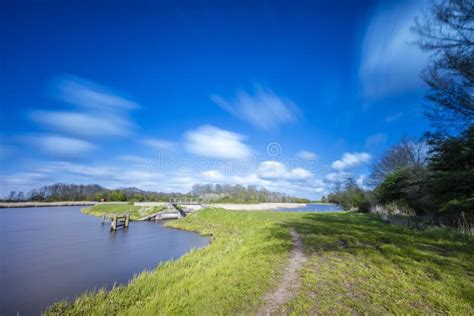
289 95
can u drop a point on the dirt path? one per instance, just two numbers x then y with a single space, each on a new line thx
290 282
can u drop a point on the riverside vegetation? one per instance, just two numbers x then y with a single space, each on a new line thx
356 264
136 212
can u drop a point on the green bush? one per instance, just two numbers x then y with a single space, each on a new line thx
117 196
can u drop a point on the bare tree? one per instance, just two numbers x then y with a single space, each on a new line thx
447 31
406 153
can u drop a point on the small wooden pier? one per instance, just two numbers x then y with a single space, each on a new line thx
120 221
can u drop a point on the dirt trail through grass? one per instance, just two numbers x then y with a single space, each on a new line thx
290 282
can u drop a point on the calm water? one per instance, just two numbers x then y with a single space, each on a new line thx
53 253
313 208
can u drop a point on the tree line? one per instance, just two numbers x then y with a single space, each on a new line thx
217 193
433 175
87 192
226 193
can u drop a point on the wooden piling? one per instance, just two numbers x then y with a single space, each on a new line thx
120 221
113 225
127 219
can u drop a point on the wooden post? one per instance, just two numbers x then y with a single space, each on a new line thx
113 225
127 219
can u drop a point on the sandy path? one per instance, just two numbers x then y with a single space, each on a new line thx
290 281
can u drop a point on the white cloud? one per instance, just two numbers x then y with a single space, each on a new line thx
376 140
85 124
26 178
271 169
134 159
300 173
88 94
211 141
214 175
158 144
101 112
264 109
334 177
306 155
361 182
390 61
61 146
350 160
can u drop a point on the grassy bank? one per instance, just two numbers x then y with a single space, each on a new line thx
110 209
355 264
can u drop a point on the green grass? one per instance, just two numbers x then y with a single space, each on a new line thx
356 264
359 264
136 212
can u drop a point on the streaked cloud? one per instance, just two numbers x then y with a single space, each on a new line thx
158 144
263 109
134 159
390 61
306 155
93 110
214 142
350 160
60 146
23 181
88 94
84 124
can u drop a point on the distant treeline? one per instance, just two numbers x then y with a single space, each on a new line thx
225 193
93 192
88 192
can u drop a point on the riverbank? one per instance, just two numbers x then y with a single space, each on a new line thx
45 204
354 263
228 206
136 210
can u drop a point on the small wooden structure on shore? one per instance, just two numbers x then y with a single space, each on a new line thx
120 221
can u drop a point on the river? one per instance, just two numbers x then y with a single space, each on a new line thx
313 207
49 254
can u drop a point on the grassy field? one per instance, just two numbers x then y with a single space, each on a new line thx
110 209
356 264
